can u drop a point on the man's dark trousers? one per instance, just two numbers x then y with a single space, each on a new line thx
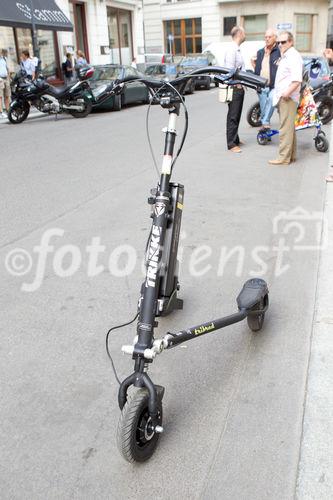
234 116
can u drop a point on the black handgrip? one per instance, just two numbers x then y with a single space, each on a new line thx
251 78
241 76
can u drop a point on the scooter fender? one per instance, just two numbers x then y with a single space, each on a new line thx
253 296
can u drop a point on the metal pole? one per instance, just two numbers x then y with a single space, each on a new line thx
144 32
34 32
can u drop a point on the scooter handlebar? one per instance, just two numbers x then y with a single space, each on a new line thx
222 75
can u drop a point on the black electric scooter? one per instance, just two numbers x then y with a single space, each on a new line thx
140 422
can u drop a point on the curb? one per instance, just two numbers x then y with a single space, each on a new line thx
315 471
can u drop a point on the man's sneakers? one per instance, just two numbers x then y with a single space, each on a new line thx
3 115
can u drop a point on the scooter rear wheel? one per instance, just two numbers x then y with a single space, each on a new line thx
256 321
321 142
253 115
136 438
325 108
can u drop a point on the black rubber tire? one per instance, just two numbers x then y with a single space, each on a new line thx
22 110
87 109
135 443
321 143
253 115
262 140
191 87
256 321
117 103
325 109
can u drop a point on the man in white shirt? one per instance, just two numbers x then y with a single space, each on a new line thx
286 97
233 59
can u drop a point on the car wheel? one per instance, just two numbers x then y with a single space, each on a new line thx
117 103
191 87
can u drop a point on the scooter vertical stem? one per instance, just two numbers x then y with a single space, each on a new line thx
146 323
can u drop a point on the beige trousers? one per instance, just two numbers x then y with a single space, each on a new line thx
287 145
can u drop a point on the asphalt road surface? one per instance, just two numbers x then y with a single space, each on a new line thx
233 406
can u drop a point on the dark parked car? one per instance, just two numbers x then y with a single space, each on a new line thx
106 75
168 72
189 63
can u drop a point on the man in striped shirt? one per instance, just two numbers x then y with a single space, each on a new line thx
233 59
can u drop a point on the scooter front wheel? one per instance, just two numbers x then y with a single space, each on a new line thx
136 437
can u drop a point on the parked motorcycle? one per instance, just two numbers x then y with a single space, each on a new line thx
74 99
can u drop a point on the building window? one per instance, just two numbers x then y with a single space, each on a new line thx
304 32
255 26
228 24
120 35
186 36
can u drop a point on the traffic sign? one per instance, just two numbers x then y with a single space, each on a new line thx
284 26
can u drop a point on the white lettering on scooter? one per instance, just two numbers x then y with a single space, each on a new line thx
153 253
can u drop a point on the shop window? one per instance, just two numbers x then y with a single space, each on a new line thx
304 24
255 26
7 42
47 52
24 40
228 24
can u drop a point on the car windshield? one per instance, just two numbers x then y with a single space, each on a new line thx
194 61
107 73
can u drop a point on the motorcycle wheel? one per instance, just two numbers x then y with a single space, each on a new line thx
19 112
253 115
86 110
325 109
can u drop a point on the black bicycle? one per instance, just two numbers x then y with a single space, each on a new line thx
140 422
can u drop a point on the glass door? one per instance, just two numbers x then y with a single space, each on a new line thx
120 35
113 35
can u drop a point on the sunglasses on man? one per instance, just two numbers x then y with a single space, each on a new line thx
282 42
